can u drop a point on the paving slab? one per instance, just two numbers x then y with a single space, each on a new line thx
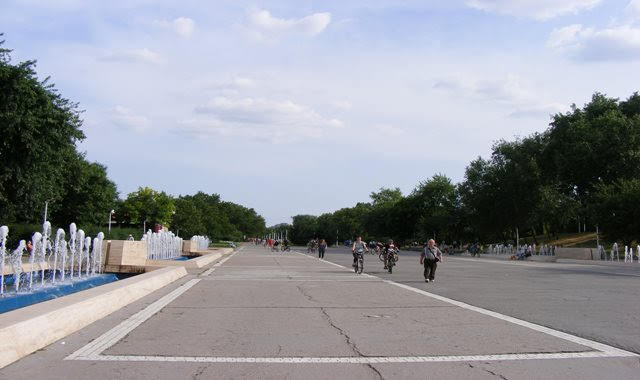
264 315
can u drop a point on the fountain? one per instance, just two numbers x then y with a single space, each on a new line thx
162 245
202 242
48 268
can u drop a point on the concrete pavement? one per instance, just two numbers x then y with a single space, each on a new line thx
273 315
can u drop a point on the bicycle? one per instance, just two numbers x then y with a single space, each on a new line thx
389 259
359 267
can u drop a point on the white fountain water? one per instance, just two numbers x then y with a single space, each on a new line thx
16 263
4 233
80 250
72 246
202 242
162 245
57 255
87 251
44 249
47 256
36 242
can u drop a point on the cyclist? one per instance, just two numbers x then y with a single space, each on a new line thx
359 247
387 251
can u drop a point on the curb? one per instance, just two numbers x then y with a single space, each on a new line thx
36 326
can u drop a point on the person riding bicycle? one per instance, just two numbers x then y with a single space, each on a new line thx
359 248
388 250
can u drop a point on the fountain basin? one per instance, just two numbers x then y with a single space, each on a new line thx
48 292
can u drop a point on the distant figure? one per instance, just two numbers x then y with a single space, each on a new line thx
321 248
429 258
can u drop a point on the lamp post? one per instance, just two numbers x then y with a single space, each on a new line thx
110 215
46 207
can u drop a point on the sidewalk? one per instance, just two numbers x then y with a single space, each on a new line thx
272 315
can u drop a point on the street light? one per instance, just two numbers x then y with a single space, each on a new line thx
46 207
110 215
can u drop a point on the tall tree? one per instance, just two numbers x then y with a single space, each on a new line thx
39 130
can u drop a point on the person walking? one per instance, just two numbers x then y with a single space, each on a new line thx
321 248
429 258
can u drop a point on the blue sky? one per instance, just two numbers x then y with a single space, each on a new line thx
296 107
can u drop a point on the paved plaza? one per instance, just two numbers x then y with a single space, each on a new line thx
258 314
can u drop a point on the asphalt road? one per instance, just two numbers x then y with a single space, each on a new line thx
272 316
594 300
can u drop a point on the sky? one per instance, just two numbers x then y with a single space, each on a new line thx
306 107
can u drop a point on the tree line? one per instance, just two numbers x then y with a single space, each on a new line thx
582 173
40 163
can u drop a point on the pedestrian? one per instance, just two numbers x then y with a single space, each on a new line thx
321 248
429 258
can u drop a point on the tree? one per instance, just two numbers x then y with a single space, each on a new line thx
304 228
436 203
39 130
150 206
187 220
615 207
88 197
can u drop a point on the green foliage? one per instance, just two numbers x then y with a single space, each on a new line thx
304 228
147 205
204 214
39 130
616 206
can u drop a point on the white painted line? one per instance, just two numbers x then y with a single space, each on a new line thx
112 336
349 359
216 265
612 351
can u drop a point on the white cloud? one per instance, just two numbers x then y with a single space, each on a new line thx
182 26
262 25
125 118
513 92
143 55
388 130
634 7
536 9
258 118
342 104
590 44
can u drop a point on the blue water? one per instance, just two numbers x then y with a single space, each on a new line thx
48 292
182 258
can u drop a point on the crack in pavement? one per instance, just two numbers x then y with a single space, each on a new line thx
347 338
488 371
305 294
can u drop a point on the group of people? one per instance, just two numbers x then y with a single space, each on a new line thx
320 245
429 256
275 244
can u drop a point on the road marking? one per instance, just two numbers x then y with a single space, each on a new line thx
93 350
604 348
111 337
216 265
348 359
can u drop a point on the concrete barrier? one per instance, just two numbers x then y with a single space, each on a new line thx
204 258
577 253
34 327
126 256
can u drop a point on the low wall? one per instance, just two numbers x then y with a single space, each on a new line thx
189 247
577 253
126 256
34 327
204 258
